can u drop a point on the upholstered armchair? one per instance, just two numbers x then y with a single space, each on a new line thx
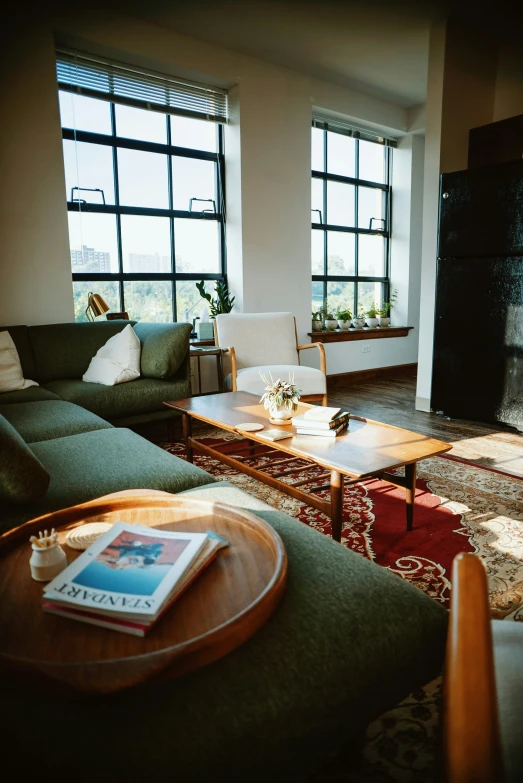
259 344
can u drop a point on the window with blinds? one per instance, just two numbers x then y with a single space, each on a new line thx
144 169
351 208
110 81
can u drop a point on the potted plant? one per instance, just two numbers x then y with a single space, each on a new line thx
280 398
317 321
223 302
344 318
384 310
371 316
330 321
358 321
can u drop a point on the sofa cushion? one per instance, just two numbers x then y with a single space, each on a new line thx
118 361
65 350
348 640
142 396
11 373
20 335
32 394
92 464
164 347
23 478
36 421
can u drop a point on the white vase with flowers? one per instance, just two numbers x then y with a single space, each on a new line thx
281 399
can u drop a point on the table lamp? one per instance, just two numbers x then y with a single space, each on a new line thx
96 306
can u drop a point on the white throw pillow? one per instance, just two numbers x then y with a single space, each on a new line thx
11 375
118 361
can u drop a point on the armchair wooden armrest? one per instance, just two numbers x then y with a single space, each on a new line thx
230 350
321 349
470 731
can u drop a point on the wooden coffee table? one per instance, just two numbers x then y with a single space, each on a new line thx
368 449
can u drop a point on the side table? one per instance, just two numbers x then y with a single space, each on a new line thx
212 350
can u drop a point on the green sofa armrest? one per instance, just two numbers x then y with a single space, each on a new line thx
165 347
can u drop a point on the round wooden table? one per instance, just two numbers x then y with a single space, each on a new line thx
226 605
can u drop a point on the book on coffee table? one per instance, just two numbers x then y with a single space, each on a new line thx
326 433
305 422
130 576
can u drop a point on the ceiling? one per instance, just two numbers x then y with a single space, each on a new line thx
378 48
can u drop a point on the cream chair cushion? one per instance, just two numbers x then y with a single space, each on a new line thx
259 338
508 663
309 380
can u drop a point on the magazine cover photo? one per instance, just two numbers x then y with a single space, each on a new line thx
132 563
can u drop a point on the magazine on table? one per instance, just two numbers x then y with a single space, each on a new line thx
130 575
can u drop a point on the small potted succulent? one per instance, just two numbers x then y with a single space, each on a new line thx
317 321
330 321
371 316
280 398
358 321
384 310
344 318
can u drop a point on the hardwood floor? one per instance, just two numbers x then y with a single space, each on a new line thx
391 400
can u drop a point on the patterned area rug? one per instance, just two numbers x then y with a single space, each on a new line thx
459 508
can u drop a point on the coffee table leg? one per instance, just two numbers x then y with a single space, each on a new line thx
187 433
336 504
410 477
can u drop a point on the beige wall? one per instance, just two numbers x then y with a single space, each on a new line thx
469 84
509 83
430 213
35 270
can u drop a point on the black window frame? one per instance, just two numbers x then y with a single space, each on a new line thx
386 189
168 149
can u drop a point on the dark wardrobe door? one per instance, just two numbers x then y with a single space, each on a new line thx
481 212
478 340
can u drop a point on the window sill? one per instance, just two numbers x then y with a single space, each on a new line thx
347 335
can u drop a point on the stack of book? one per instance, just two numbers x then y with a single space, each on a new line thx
327 422
130 576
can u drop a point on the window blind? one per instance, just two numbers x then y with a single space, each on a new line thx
110 81
351 130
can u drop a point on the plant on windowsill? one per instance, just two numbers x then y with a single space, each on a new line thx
344 318
358 321
371 315
384 310
280 398
223 303
329 320
317 321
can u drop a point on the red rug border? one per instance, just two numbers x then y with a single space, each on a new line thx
482 467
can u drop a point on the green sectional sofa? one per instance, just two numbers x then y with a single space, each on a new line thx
347 642
57 355
64 428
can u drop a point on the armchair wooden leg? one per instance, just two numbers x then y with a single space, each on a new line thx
324 400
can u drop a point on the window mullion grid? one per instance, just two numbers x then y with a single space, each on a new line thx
221 202
356 237
388 213
171 222
119 279
325 237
